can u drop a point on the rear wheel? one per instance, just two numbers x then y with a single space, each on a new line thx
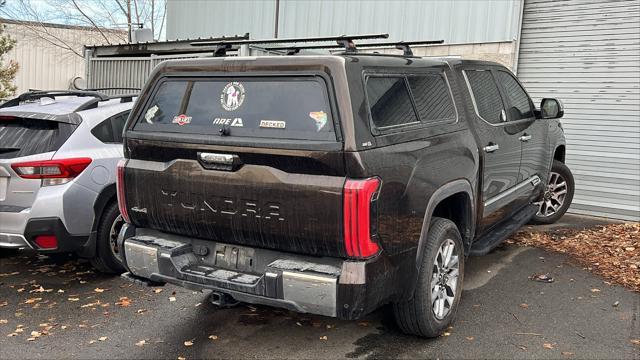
557 196
435 301
107 259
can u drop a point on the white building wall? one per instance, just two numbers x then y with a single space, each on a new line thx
44 65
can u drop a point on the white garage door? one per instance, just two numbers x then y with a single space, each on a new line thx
587 53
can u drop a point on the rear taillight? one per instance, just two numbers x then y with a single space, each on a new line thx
122 201
52 172
360 217
46 241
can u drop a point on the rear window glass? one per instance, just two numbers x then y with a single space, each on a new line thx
22 137
291 108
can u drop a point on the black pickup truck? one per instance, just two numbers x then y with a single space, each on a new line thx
334 184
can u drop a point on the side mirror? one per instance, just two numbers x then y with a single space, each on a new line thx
551 108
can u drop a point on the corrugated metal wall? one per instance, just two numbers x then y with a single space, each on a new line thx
587 53
124 72
459 21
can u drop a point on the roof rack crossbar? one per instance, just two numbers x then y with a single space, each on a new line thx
291 40
402 45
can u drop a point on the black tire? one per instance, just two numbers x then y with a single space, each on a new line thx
563 171
416 316
105 260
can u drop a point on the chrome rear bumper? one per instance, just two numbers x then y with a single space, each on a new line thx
13 241
249 275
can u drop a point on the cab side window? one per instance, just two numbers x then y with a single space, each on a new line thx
519 105
486 95
390 102
109 131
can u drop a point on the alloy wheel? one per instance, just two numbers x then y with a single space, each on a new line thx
554 195
444 281
113 236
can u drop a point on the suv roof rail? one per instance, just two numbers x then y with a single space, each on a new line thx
37 94
96 95
351 48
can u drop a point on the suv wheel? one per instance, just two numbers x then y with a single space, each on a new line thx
557 196
107 259
437 294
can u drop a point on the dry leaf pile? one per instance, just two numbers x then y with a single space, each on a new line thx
611 251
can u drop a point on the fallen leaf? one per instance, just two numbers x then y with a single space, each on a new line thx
567 353
470 338
547 346
31 339
635 341
363 323
63 327
329 326
123 302
19 330
102 338
141 343
522 347
73 299
188 343
213 337
98 290
323 337
3 321
594 290
446 333
182 358
12 334
60 291
172 298
524 306
140 311
32 300
36 334
157 290
92 342
615 304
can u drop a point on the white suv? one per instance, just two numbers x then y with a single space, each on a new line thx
58 157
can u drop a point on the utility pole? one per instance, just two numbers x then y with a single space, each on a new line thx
129 19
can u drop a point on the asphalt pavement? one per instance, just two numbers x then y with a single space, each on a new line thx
65 310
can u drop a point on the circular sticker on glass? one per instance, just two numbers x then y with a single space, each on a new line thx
232 96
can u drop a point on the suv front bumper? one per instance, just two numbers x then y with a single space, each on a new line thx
317 285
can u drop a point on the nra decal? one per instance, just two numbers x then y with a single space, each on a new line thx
272 124
182 119
232 96
320 117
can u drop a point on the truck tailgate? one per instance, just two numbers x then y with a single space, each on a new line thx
255 205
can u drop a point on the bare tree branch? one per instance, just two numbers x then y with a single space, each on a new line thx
92 22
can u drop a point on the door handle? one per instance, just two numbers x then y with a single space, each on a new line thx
525 138
491 148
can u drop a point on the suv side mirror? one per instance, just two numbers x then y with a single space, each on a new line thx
551 109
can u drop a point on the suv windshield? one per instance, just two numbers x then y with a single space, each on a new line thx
283 108
21 137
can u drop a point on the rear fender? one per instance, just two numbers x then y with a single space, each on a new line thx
451 188
107 195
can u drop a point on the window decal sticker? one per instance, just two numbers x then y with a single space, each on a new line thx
320 117
273 124
181 119
235 122
232 96
151 113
